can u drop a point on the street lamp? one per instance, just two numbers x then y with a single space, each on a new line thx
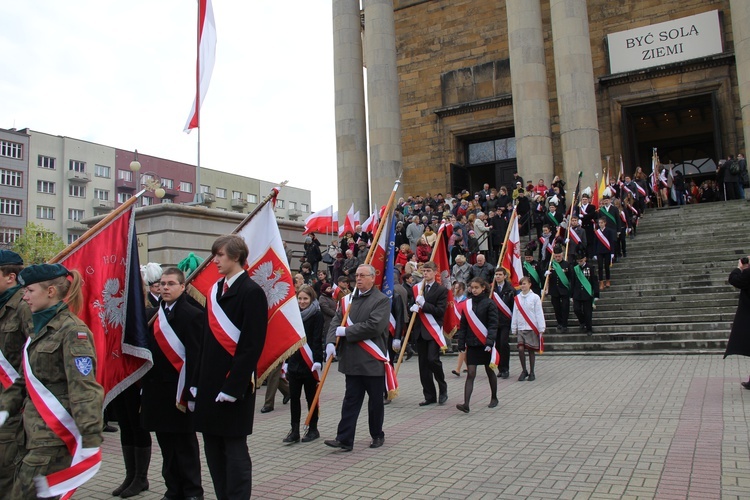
148 180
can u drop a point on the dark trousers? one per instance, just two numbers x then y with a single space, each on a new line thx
584 310
503 336
621 244
429 367
297 382
561 305
274 383
230 466
354 395
604 260
127 407
181 468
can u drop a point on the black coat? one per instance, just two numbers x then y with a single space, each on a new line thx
611 236
246 307
486 311
507 295
739 338
615 213
435 303
314 333
159 384
556 286
577 290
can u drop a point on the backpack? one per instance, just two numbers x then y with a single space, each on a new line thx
734 167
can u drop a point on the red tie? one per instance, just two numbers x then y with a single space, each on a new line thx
226 287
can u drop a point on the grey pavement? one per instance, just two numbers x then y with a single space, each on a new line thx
640 426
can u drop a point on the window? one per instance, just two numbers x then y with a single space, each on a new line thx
292 205
146 178
45 162
72 237
45 187
252 198
280 203
304 207
101 171
236 195
77 166
125 175
166 200
495 150
10 207
12 178
122 197
11 150
9 235
75 214
186 187
167 183
45 212
146 201
221 193
205 189
101 194
77 190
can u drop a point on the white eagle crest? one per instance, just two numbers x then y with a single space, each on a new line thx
111 308
268 279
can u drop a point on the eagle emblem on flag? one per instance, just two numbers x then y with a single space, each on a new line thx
273 278
112 305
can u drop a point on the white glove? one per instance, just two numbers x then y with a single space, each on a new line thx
488 349
397 345
414 308
341 331
419 300
191 406
567 240
3 417
284 368
612 257
225 398
316 367
330 350
194 391
547 273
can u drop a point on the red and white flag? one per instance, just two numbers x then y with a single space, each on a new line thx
451 318
512 258
336 221
205 64
356 219
320 222
348 222
370 225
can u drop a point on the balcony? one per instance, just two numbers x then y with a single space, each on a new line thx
125 184
293 214
207 198
80 177
101 206
239 203
74 225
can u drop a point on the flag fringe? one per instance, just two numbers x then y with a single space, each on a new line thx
392 394
279 360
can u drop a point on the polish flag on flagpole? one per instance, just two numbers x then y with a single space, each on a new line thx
319 222
206 58
348 222
512 258
335 222
370 225
356 219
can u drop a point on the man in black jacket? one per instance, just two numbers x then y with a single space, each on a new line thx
584 290
174 342
587 217
503 294
559 289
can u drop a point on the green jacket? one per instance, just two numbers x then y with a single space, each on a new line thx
15 317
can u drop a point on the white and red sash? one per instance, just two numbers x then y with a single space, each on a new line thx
546 246
574 236
502 305
8 374
307 355
533 325
391 383
640 189
623 218
85 463
428 320
480 330
225 332
392 325
603 239
625 187
174 350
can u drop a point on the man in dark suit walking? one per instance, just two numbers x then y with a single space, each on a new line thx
174 342
233 338
430 302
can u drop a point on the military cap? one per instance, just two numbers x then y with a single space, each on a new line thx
580 254
557 249
9 258
41 272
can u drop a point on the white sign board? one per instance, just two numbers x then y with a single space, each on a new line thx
664 43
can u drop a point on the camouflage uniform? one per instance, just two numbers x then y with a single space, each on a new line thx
63 358
14 318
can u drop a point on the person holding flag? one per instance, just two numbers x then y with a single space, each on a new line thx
586 213
57 388
559 288
584 290
528 326
502 295
576 238
476 336
605 251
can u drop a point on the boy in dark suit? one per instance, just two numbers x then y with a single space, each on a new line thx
605 251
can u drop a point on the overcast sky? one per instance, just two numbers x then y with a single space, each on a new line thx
122 73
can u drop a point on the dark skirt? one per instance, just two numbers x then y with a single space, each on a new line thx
476 355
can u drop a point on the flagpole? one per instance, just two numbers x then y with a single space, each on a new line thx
96 227
345 316
513 216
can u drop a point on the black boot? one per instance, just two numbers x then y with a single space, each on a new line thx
140 480
293 436
128 454
311 435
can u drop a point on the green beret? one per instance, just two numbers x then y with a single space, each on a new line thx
41 272
8 258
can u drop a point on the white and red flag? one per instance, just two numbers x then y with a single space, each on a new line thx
205 64
370 225
268 267
348 222
451 318
320 222
511 261
356 219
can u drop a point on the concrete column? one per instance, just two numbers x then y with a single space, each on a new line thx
384 113
740 12
528 74
576 100
351 128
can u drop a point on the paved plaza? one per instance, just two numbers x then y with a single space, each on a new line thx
646 426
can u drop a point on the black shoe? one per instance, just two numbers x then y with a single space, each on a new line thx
464 408
558 329
286 399
266 409
409 352
532 377
427 402
504 374
109 428
564 329
377 442
589 332
582 328
199 497
336 444
443 398
311 435
386 401
292 437
746 385
523 376
493 403
454 372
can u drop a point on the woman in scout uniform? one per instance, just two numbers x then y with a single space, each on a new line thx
57 390
476 336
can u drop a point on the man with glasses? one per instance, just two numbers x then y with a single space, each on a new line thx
174 341
362 347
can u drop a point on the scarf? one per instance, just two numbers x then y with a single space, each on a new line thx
310 310
7 294
41 318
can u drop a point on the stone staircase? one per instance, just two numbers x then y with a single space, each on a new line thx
670 295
